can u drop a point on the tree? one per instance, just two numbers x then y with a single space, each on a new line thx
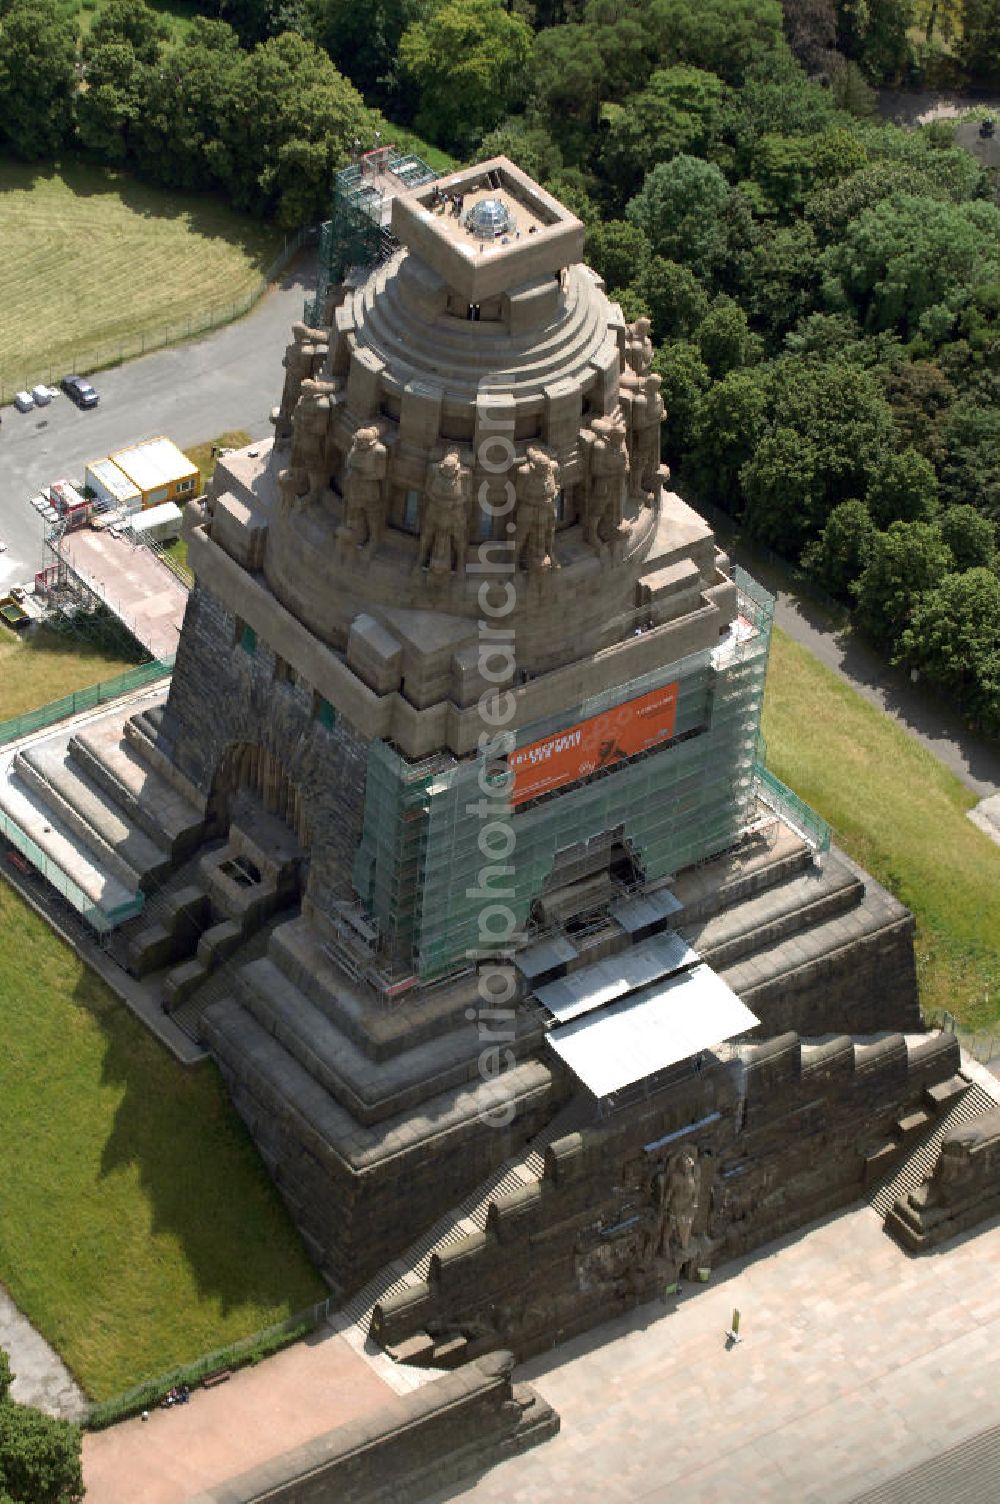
954 637
979 47
526 141
907 561
969 470
676 299
781 486
971 537
469 60
899 259
678 111
691 215
566 71
39 1456
362 40
617 251
919 394
684 379
178 138
724 339
830 427
811 29
730 419
37 78
116 95
131 21
903 488
841 553
780 278
727 37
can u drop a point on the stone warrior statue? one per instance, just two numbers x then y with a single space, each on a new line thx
607 479
304 359
537 489
647 413
364 492
311 441
444 516
638 351
676 1194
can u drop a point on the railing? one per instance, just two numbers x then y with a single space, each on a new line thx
248 1350
84 699
790 808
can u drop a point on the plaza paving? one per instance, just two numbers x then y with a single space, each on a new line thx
858 1363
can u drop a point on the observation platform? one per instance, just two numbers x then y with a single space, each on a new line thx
145 595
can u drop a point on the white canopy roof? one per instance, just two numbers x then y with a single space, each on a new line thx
627 1041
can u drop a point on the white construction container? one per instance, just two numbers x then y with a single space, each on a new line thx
156 524
112 487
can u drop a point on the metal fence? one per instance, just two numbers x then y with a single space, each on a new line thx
87 359
84 699
237 1355
789 807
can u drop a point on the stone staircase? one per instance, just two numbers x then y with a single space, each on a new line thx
409 1272
922 1135
101 814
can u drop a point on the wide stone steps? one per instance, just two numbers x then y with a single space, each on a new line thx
372 1090
129 852
823 944
920 1162
61 845
136 788
710 888
808 898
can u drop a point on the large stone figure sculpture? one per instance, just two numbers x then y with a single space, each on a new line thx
537 493
647 413
364 492
311 438
303 360
444 518
638 351
607 480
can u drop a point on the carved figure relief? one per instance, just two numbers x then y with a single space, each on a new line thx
364 492
607 480
677 1191
537 490
444 515
303 360
311 437
638 350
647 413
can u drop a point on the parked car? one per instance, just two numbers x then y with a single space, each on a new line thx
24 402
80 390
41 395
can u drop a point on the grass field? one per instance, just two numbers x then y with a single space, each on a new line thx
138 1229
95 263
902 815
36 670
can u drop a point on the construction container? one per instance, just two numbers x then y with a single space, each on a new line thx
159 471
111 487
157 524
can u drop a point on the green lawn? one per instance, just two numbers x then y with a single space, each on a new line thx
902 815
138 1228
74 240
36 670
177 14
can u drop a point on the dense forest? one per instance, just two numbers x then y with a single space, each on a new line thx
824 288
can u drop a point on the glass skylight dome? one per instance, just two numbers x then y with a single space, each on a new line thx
490 219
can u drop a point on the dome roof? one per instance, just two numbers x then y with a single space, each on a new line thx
489 219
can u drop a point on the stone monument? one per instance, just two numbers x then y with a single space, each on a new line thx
462 735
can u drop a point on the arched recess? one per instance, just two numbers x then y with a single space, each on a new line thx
248 765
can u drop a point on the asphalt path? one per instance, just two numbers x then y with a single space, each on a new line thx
230 378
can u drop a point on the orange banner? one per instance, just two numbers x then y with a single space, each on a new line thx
596 743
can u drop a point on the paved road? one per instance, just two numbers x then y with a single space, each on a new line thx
228 379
